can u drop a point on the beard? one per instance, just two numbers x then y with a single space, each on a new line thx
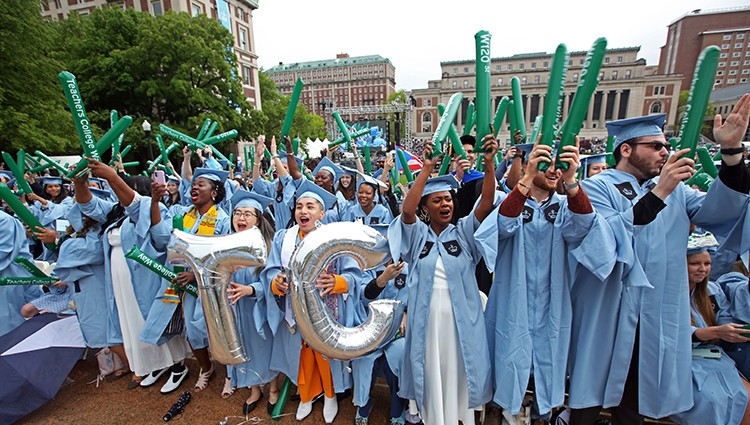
647 169
540 181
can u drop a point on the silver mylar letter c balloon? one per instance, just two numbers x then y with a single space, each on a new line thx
316 324
214 259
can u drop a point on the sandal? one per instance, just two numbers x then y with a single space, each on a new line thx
203 378
228 389
119 373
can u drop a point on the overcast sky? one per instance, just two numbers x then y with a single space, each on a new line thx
417 34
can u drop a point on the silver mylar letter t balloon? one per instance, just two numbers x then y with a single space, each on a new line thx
316 324
214 259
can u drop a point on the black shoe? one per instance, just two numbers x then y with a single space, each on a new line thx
249 407
270 407
344 395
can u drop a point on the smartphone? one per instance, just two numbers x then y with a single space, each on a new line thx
746 335
160 177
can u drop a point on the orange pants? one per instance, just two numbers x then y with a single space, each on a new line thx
314 375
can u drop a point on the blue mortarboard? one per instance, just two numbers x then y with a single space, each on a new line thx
237 175
244 198
471 175
284 158
101 182
100 193
211 174
6 174
526 148
591 159
350 171
371 181
700 241
630 128
308 189
51 180
173 179
223 163
327 164
440 184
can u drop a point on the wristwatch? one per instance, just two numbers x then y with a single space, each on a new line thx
732 151
567 187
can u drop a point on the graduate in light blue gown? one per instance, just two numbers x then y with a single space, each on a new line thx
13 243
387 283
346 190
630 345
720 394
340 283
527 241
248 295
327 175
735 288
446 366
51 212
367 210
202 217
281 189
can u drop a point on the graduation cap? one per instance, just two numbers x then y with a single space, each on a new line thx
51 180
308 189
100 182
223 163
526 148
328 165
471 175
219 176
591 159
701 241
173 179
243 198
8 178
440 184
238 175
371 181
100 193
351 171
284 159
630 128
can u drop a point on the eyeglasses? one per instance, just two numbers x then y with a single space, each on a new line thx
247 215
658 146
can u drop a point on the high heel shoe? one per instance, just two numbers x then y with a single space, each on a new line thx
249 407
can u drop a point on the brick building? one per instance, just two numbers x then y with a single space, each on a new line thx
627 88
235 15
340 82
691 33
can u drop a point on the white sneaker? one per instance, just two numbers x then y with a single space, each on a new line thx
174 381
304 410
330 409
152 377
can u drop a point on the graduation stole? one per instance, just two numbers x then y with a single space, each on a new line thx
207 224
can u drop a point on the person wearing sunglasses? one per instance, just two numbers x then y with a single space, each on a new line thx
630 342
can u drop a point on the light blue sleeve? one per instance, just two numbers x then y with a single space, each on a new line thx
97 209
737 293
722 211
466 228
264 187
724 315
274 304
406 240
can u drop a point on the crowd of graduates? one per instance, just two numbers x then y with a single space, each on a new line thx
589 287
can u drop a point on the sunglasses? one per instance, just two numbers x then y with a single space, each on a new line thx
657 146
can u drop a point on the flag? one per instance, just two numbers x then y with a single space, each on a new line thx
415 164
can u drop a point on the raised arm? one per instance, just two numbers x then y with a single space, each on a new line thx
411 201
291 160
123 192
187 169
489 147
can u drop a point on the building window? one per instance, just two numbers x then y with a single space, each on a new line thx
497 68
243 39
655 108
659 90
725 46
731 81
740 36
454 84
718 82
241 13
723 55
736 54
466 84
619 59
524 80
720 73
466 70
537 79
606 60
156 8
455 71
722 64
575 77
546 64
614 75
197 9
533 65
499 81
601 75
428 102
735 63
733 72
743 80
58 5
738 45
247 76
748 52
727 37
510 66
745 71
628 73
580 62
520 66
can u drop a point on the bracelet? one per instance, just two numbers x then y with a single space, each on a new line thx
528 189
274 156
567 187
732 151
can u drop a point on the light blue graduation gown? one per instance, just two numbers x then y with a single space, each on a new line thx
379 215
48 217
418 245
287 345
80 264
256 335
283 201
647 287
195 321
737 292
148 287
362 367
13 243
719 397
528 314
230 186
345 205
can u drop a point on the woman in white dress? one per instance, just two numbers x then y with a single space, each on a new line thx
446 362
